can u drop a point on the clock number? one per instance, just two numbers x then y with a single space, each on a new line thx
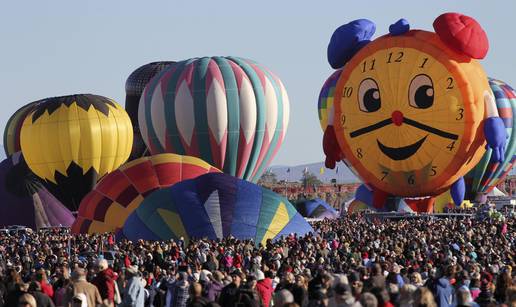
360 155
461 114
450 83
424 62
364 65
347 91
343 120
385 173
433 172
397 60
411 179
451 146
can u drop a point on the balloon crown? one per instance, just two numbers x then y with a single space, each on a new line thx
459 32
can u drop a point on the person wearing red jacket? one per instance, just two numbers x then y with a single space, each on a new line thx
264 288
105 282
41 277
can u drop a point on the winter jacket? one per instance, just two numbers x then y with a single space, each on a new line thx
105 282
444 293
265 290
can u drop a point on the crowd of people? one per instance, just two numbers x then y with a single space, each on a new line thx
351 261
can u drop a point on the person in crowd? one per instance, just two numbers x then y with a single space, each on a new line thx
105 282
42 299
81 285
421 261
134 291
27 300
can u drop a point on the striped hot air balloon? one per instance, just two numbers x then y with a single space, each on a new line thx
231 112
214 206
118 194
487 174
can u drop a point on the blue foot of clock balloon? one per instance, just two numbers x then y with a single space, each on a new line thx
457 191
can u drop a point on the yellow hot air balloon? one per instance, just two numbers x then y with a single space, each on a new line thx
71 141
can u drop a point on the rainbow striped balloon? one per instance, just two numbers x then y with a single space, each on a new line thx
231 112
487 174
325 102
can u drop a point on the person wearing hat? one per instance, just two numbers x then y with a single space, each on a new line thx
214 286
264 287
177 294
230 294
105 282
80 285
134 292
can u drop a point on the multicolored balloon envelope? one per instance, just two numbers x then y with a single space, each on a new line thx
487 174
325 107
134 87
13 127
231 112
24 200
71 141
214 206
316 208
118 194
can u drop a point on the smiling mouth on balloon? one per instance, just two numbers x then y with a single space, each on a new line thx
401 153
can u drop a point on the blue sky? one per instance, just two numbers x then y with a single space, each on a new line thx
52 48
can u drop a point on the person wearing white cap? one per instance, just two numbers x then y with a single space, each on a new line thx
264 287
134 293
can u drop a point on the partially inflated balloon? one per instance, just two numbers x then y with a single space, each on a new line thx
214 206
487 174
231 112
24 200
118 194
13 127
71 141
325 103
316 208
134 87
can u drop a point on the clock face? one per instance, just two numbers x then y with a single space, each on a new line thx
402 115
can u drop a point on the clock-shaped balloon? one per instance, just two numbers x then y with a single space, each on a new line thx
412 109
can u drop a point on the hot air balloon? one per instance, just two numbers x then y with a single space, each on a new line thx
134 87
487 173
119 193
325 103
24 200
231 112
316 209
71 141
214 206
413 110
13 129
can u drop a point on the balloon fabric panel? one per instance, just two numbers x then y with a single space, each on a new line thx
228 111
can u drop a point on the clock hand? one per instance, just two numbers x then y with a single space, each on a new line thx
433 130
371 128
